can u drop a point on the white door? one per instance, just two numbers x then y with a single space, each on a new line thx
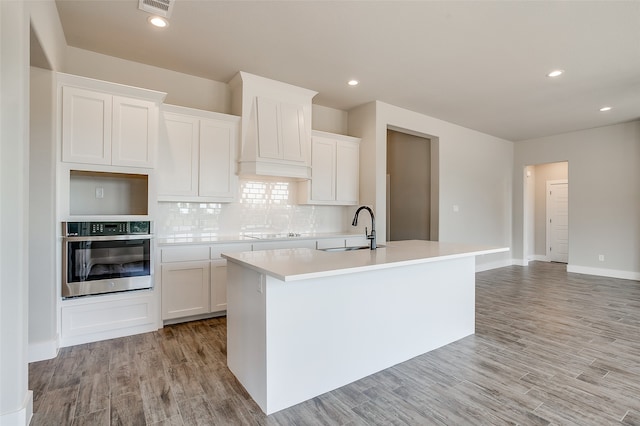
558 221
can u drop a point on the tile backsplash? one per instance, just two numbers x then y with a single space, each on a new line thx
265 206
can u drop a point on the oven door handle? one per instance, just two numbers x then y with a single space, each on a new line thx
108 237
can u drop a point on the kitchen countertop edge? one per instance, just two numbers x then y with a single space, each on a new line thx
318 263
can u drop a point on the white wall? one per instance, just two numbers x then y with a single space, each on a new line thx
182 89
47 27
329 120
16 401
604 206
43 232
475 174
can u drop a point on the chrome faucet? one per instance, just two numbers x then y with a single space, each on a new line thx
371 236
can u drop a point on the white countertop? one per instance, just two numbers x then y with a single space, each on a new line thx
300 263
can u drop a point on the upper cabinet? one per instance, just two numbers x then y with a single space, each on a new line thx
197 155
335 171
276 126
108 124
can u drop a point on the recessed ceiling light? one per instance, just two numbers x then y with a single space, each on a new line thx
157 21
353 82
605 108
555 73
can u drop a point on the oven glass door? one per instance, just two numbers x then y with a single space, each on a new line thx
102 265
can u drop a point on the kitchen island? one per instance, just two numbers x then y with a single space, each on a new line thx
302 322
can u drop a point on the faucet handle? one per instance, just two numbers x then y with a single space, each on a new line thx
366 232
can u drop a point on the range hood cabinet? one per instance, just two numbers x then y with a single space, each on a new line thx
276 127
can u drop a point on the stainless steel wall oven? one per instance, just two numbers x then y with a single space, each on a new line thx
106 257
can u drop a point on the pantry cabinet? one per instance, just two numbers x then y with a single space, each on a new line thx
335 171
197 156
108 124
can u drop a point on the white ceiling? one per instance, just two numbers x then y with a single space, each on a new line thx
480 64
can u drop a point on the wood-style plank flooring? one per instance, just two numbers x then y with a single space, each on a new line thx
550 348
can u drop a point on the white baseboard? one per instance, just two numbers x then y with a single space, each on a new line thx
43 350
520 262
611 273
106 335
22 417
540 258
486 266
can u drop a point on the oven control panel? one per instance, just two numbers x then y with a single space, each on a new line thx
88 229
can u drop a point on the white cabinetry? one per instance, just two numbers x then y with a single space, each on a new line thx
276 126
335 171
194 279
185 289
97 318
284 244
108 124
281 133
197 156
218 285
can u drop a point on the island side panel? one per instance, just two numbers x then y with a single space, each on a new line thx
246 330
324 333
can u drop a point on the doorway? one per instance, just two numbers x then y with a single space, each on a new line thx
408 186
546 218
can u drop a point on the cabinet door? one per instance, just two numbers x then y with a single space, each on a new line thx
185 289
86 126
291 118
323 169
134 132
218 285
347 172
217 176
178 156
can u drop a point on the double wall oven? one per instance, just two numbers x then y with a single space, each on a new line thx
106 257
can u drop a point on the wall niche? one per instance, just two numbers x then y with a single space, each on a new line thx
105 193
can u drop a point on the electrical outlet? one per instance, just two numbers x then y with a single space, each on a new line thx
99 192
601 257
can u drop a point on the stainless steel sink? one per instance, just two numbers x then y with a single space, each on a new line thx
348 248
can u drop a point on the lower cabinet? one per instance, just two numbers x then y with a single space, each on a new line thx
185 289
95 318
194 279
218 285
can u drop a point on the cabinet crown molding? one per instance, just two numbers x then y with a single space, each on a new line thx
110 88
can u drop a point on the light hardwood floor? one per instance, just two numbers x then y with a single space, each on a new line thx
550 348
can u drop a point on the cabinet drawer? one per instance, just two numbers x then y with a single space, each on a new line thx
184 254
216 249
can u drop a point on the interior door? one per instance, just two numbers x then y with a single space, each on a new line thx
558 221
